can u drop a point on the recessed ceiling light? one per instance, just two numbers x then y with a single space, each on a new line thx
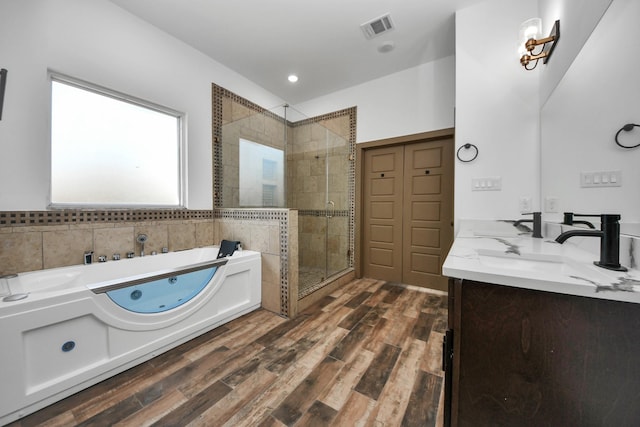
292 78
387 46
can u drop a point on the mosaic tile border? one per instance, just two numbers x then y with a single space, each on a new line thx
282 216
322 212
79 216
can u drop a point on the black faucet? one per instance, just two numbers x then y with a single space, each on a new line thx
568 219
609 235
537 223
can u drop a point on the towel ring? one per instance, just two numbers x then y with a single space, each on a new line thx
466 147
627 128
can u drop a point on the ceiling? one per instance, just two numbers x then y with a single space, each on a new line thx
319 40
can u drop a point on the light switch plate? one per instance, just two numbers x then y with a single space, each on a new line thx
551 204
525 205
601 179
492 183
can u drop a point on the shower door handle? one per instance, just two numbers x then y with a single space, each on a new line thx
330 212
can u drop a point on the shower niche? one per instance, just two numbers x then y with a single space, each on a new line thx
277 158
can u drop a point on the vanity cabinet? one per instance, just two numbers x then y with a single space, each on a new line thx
523 357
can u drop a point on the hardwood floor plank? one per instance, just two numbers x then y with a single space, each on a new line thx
97 403
432 358
422 328
117 412
393 292
260 408
282 329
394 398
353 341
358 300
196 405
240 396
373 316
378 295
351 320
434 301
318 415
337 395
294 406
378 335
271 422
154 411
400 328
320 304
422 410
440 324
320 324
356 411
294 353
62 419
210 370
415 303
376 376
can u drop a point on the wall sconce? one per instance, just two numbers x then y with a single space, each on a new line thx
529 38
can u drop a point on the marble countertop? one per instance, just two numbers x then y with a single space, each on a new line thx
497 252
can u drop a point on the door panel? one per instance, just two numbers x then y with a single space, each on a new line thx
408 212
382 219
427 222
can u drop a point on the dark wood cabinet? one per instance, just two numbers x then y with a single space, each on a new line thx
530 358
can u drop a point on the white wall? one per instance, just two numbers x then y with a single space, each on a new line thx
416 100
577 18
496 109
98 42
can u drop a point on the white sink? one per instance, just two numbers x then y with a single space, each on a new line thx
531 262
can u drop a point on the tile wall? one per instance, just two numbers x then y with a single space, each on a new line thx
49 239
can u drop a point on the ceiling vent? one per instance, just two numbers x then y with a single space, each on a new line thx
377 26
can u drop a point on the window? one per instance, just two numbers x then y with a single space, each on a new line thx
261 175
109 149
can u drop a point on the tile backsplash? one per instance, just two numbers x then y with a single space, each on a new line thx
33 242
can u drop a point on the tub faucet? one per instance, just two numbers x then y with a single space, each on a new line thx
142 238
609 235
568 219
537 223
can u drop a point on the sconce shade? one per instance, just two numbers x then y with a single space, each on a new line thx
529 29
529 38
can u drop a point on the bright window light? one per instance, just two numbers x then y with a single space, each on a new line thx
108 149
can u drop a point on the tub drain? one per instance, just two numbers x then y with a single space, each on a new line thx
136 294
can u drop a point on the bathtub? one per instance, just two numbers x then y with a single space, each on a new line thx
82 324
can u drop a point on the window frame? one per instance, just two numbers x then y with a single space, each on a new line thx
139 102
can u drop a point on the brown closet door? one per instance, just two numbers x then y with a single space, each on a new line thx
382 213
428 212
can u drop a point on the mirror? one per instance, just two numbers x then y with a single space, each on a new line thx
598 95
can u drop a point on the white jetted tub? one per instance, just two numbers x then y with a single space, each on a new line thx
82 324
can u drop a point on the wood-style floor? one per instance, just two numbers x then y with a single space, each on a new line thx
367 355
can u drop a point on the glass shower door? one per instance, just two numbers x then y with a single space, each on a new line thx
317 185
337 191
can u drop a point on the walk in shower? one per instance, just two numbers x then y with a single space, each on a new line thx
279 158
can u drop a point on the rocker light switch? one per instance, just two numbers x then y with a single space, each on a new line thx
601 179
493 183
